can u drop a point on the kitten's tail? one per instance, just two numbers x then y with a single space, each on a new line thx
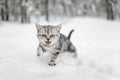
70 33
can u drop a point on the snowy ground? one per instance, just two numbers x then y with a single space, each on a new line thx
97 42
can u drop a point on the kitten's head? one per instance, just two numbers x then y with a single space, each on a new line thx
48 34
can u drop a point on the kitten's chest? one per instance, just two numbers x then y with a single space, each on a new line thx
49 49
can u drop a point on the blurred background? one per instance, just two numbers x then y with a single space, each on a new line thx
96 38
26 11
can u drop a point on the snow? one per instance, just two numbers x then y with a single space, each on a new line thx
97 42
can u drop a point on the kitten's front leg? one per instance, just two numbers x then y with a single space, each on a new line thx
39 53
53 59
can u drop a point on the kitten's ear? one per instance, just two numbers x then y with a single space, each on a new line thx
38 27
58 27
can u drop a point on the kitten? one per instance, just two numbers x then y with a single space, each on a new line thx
51 40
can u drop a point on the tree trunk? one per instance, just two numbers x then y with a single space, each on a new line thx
109 10
23 14
46 10
7 11
64 7
23 11
4 10
2 14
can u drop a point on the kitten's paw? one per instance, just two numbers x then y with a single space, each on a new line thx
40 57
38 54
51 63
75 55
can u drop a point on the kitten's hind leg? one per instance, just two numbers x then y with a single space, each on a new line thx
39 53
53 59
72 50
75 55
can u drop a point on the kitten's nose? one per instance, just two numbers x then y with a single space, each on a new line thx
48 41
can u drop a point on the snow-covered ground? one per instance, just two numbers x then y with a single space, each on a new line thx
97 42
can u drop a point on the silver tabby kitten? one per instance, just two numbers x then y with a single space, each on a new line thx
51 40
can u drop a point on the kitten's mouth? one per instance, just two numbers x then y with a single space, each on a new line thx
47 42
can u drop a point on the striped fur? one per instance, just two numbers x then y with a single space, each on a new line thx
51 40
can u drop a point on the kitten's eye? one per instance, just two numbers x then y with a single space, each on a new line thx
52 36
56 35
43 35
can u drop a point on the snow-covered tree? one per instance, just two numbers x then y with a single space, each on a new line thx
27 10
